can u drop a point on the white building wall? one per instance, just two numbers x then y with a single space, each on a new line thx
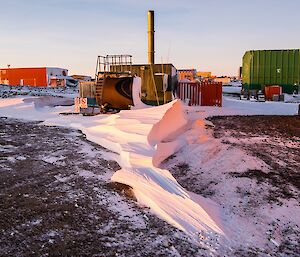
55 72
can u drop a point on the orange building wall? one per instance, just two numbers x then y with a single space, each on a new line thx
205 74
31 76
188 74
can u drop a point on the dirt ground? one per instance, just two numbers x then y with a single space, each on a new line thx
275 141
56 200
279 147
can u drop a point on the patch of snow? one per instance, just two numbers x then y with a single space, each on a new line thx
7 148
8 91
36 222
53 159
21 158
86 174
62 179
235 83
136 94
239 107
292 98
11 159
231 89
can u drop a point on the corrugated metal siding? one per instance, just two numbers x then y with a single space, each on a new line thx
87 89
271 67
26 76
148 90
204 93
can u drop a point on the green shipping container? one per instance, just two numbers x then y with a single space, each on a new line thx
272 67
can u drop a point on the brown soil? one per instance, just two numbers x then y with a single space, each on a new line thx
276 141
56 200
279 148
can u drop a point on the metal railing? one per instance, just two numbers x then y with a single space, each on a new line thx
118 64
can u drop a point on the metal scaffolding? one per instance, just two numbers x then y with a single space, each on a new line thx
113 64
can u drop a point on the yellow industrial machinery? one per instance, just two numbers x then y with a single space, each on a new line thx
115 77
114 81
116 93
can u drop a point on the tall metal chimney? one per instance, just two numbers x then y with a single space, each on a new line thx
151 37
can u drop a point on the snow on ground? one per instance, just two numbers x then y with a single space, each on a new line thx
232 89
233 106
235 90
58 201
237 83
295 98
66 92
142 146
251 170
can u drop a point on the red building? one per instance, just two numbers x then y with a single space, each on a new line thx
35 77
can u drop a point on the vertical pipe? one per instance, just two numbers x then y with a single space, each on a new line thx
151 37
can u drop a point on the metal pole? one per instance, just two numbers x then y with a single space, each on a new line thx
151 37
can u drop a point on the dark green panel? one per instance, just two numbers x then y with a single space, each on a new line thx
261 68
285 67
273 67
255 68
292 65
296 69
267 68
279 68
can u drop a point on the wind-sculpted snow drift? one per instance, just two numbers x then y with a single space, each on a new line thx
126 134
155 187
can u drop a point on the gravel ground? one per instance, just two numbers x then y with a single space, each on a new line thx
266 200
11 91
279 147
276 141
56 200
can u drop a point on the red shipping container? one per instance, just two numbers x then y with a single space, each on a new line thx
211 94
272 90
204 93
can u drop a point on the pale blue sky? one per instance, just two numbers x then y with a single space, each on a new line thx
209 35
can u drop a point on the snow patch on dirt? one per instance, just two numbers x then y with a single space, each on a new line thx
127 134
